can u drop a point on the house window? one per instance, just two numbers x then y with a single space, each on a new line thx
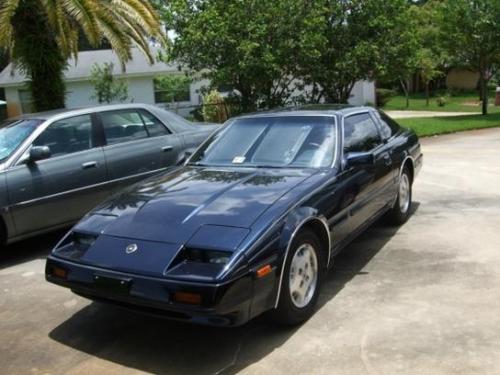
26 101
172 89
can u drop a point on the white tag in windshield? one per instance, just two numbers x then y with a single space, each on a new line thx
239 160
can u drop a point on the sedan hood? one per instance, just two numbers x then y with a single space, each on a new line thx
172 207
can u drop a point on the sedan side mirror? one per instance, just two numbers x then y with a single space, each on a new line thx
39 153
363 159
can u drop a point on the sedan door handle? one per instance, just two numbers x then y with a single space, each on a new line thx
167 148
89 164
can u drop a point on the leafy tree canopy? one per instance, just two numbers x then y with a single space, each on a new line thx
267 49
471 34
253 46
360 39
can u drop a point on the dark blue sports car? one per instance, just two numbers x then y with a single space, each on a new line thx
250 224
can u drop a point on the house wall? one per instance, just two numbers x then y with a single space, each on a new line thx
140 90
363 93
13 102
79 94
462 79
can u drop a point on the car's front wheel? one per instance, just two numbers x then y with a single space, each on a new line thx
303 274
401 210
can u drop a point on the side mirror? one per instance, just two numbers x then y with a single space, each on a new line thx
363 159
39 153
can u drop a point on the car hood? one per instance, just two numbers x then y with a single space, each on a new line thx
172 207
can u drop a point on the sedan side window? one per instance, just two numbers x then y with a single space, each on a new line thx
154 127
360 133
123 126
67 136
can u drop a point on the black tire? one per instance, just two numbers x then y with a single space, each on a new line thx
400 213
287 313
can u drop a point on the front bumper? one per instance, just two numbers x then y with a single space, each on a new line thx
223 304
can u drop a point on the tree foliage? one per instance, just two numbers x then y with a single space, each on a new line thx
360 39
215 109
253 46
172 88
40 36
471 34
107 89
431 57
266 50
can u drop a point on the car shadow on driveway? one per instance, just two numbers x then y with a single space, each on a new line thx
157 345
27 250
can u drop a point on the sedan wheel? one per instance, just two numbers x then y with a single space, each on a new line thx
302 276
401 210
404 193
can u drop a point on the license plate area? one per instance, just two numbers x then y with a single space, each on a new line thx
113 285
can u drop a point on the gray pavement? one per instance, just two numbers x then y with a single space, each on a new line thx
421 299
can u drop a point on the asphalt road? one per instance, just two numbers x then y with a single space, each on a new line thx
421 299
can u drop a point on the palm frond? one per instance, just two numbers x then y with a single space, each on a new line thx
117 37
141 14
7 11
84 12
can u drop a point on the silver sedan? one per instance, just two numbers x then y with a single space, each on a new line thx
56 166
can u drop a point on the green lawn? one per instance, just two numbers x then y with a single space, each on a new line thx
463 102
442 125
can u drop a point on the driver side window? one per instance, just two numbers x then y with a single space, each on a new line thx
360 133
67 136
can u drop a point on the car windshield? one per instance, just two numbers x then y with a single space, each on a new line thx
14 133
288 141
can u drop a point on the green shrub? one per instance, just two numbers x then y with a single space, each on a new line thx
384 95
214 107
492 86
441 101
107 88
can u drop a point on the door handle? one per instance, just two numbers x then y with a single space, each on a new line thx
89 164
167 148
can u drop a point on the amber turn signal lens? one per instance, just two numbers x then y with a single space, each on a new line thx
264 271
187 298
59 272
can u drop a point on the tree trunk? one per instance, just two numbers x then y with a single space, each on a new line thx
406 85
38 56
427 94
484 92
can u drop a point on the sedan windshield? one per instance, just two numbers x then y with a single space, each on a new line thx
300 142
13 134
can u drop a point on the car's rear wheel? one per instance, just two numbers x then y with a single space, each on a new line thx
303 274
401 210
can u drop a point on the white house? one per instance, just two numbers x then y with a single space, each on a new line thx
139 75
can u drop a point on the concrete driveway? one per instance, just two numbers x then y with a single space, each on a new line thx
421 299
419 114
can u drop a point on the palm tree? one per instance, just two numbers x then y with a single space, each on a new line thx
40 36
